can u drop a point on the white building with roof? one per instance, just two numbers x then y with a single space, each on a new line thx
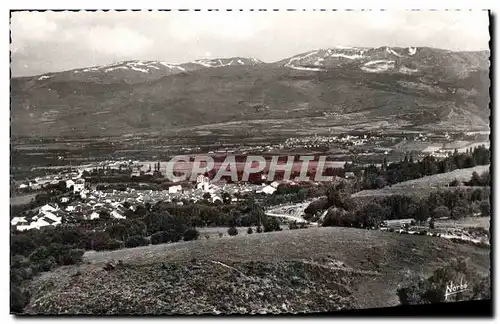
175 189
79 185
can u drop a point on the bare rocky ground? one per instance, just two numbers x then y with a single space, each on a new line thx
306 270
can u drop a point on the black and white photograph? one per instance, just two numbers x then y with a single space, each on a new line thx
250 162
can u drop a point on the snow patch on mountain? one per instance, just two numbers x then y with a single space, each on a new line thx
378 66
378 62
319 61
344 47
92 69
172 66
293 59
241 62
407 70
412 50
138 69
350 57
116 68
205 63
305 68
391 51
43 77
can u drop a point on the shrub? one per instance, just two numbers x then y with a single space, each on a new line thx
73 256
293 225
21 244
135 241
114 244
441 212
250 230
46 264
19 298
97 241
271 225
432 224
339 217
221 234
157 238
259 229
191 234
484 207
371 215
40 254
460 212
232 231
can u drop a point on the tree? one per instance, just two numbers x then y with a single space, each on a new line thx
226 197
476 195
250 230
97 241
72 256
232 231
19 298
441 212
422 213
484 207
118 231
475 180
272 224
293 225
371 215
191 234
432 224
21 244
114 245
166 237
135 241
157 238
380 182
459 212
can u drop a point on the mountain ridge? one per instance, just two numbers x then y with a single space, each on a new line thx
429 88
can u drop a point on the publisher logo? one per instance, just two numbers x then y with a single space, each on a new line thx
453 288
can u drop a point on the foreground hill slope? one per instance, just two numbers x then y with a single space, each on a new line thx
308 270
418 87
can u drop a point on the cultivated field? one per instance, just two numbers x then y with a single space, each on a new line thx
483 222
22 199
424 184
313 269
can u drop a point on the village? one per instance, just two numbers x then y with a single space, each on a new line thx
83 201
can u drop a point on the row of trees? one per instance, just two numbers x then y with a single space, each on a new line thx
408 169
454 204
476 180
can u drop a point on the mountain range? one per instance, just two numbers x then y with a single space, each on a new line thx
416 87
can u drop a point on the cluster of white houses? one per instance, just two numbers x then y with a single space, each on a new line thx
93 203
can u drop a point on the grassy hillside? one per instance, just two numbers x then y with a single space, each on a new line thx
424 184
316 269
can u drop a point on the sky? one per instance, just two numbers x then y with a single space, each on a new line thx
49 41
